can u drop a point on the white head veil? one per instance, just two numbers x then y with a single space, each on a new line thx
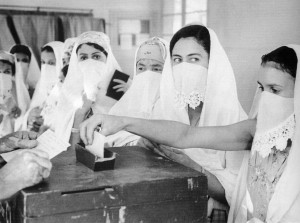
128 104
284 205
131 104
7 123
22 85
72 89
221 107
40 94
34 71
52 100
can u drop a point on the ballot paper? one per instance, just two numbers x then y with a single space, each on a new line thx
51 144
47 142
97 147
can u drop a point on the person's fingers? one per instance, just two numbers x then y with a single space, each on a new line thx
18 134
40 153
26 143
46 173
121 89
35 175
83 132
23 135
118 86
32 135
90 132
119 81
91 126
35 157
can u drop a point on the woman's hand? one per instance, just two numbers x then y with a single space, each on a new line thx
122 86
34 116
18 140
25 169
15 112
108 124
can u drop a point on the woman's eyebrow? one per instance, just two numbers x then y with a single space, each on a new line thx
96 52
141 64
176 55
83 54
195 54
156 65
275 85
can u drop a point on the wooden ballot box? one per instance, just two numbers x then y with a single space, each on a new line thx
142 187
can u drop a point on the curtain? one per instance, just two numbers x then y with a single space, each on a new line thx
36 30
6 38
75 25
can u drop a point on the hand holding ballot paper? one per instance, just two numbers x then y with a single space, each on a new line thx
47 142
97 147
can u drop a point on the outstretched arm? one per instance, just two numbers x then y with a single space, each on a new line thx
232 137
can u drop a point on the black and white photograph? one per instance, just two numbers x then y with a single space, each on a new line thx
149 111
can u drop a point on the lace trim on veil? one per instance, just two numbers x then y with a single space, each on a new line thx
276 138
193 99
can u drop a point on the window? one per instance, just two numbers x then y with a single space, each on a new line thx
177 13
132 32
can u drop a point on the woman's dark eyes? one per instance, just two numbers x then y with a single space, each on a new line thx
97 57
83 58
177 60
261 88
7 72
274 91
194 59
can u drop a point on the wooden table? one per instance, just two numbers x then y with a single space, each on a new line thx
143 187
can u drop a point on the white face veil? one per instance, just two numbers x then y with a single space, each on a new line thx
73 87
133 103
52 100
41 93
284 205
7 97
221 107
140 98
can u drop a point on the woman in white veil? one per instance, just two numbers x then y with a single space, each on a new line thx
217 97
31 72
26 77
86 84
285 200
48 112
143 93
9 110
49 77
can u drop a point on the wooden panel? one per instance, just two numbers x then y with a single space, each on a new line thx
183 211
140 178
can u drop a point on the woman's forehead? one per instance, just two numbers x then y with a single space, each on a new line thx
4 65
47 55
150 51
269 75
85 48
186 46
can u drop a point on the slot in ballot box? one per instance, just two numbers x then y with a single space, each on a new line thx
142 187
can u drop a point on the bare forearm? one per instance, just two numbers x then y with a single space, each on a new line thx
183 136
